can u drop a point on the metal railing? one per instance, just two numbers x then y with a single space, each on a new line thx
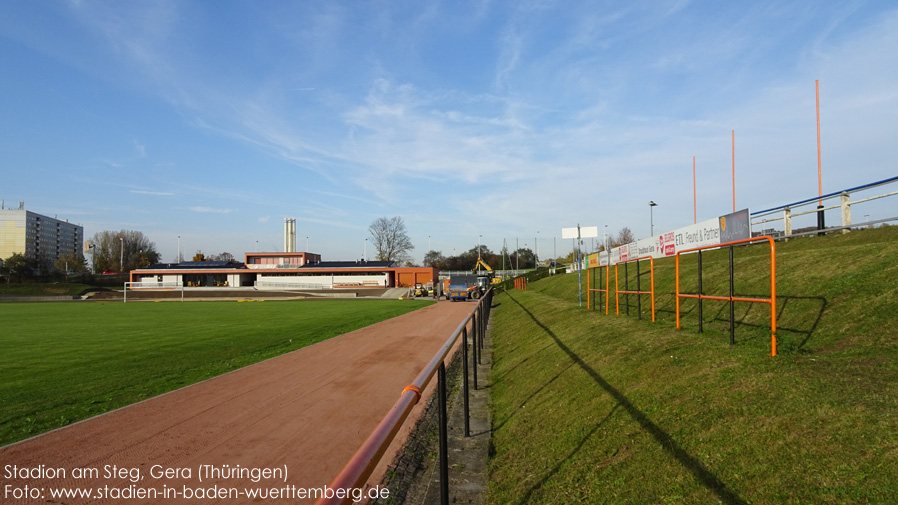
290 285
638 292
590 300
356 472
845 203
732 296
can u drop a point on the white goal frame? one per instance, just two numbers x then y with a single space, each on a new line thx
155 286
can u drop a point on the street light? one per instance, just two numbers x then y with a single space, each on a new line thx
651 218
537 249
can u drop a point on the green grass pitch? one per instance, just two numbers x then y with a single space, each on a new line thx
63 362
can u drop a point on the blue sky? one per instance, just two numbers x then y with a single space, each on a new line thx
216 120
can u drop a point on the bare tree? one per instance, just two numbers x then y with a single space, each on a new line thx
390 239
625 236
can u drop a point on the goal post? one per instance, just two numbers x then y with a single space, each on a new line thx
153 286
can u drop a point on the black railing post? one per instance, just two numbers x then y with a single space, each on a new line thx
464 354
444 440
474 359
821 221
732 303
482 327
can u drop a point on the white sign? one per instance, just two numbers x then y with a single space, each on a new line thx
584 232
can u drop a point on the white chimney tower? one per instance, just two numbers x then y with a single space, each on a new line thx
289 235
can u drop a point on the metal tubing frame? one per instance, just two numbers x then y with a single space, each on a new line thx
465 386
638 292
732 298
357 470
599 290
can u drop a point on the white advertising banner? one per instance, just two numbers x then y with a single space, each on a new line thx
712 232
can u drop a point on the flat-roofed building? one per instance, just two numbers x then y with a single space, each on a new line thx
287 270
36 236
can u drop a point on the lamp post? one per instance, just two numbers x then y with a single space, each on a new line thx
537 249
366 250
121 262
652 218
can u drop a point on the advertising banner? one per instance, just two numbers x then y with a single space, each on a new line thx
735 226
728 228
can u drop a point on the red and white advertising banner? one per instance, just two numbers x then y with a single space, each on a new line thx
727 228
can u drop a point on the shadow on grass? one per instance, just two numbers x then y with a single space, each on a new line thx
531 396
814 305
668 444
787 307
557 467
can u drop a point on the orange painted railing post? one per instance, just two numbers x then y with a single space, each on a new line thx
589 289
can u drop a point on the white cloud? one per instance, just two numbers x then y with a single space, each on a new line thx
210 210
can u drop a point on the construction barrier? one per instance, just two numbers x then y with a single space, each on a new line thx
520 283
731 298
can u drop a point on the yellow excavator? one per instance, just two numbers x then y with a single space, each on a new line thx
493 278
471 287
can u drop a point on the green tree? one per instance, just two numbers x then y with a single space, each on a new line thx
72 262
122 250
434 259
17 267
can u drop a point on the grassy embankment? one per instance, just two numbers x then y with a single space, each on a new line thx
45 289
62 362
589 408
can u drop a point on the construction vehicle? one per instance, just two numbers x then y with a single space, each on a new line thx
471 286
493 278
463 287
420 290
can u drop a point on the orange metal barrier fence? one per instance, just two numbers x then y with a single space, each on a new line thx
521 283
638 291
356 472
732 298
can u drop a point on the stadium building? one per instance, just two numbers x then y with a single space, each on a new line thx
284 271
273 271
